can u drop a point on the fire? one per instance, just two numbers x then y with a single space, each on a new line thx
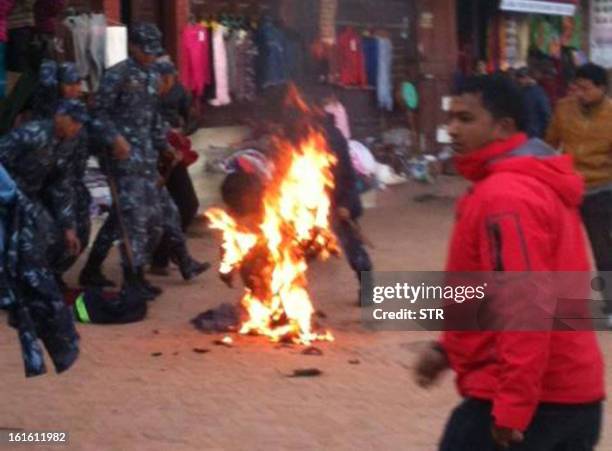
295 226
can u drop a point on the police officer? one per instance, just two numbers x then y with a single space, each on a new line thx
56 81
34 157
128 120
62 81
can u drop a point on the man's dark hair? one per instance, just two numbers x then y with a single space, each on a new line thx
594 73
500 96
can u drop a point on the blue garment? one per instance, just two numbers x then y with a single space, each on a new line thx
537 111
127 105
370 51
39 163
272 60
41 313
384 83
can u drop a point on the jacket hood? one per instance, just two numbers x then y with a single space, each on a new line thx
533 158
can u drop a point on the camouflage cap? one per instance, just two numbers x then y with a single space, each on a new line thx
148 37
68 74
165 67
75 109
48 73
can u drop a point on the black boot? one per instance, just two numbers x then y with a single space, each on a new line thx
91 275
133 283
188 267
155 290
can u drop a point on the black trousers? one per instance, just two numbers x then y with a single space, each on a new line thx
597 217
555 427
180 187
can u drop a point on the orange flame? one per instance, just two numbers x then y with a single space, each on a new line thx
294 227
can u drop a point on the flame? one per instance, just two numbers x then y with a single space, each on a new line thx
295 226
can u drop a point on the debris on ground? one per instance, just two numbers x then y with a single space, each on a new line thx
224 318
201 350
311 350
354 361
156 354
308 372
226 341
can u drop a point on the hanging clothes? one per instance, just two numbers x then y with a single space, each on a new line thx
97 49
246 57
523 36
222 96
384 83
370 51
272 67
116 48
79 26
5 8
230 47
351 59
195 67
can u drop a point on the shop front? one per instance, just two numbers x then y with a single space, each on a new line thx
547 36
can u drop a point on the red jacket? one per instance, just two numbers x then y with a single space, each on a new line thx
351 59
533 203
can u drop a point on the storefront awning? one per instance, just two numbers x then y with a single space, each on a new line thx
557 8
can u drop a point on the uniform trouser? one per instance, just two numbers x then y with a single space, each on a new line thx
356 254
166 223
83 225
553 428
141 217
597 217
182 193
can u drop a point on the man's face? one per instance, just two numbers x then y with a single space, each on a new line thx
142 58
71 91
67 128
588 93
471 126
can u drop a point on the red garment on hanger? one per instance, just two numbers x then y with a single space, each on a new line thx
195 67
351 59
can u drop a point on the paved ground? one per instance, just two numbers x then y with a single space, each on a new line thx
120 397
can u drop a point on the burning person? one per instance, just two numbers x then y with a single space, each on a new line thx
282 207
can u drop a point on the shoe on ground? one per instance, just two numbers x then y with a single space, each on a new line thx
194 269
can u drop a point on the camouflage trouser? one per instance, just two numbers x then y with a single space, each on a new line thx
169 228
83 227
141 215
29 289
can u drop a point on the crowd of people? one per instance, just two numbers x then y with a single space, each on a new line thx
131 125
525 391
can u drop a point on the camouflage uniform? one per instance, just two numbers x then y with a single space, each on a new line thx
128 105
32 155
28 289
74 153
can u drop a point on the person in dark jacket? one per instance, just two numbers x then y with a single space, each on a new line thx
537 105
527 389
174 109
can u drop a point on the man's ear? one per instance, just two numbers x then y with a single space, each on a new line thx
505 127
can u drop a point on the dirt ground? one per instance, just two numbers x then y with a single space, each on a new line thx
120 397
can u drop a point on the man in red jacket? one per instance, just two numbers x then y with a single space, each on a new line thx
536 390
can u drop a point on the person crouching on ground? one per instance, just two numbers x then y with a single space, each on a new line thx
526 391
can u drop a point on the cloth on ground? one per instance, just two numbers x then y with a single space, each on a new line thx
224 318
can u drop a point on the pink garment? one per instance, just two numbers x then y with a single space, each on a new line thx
195 59
221 70
5 9
341 119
